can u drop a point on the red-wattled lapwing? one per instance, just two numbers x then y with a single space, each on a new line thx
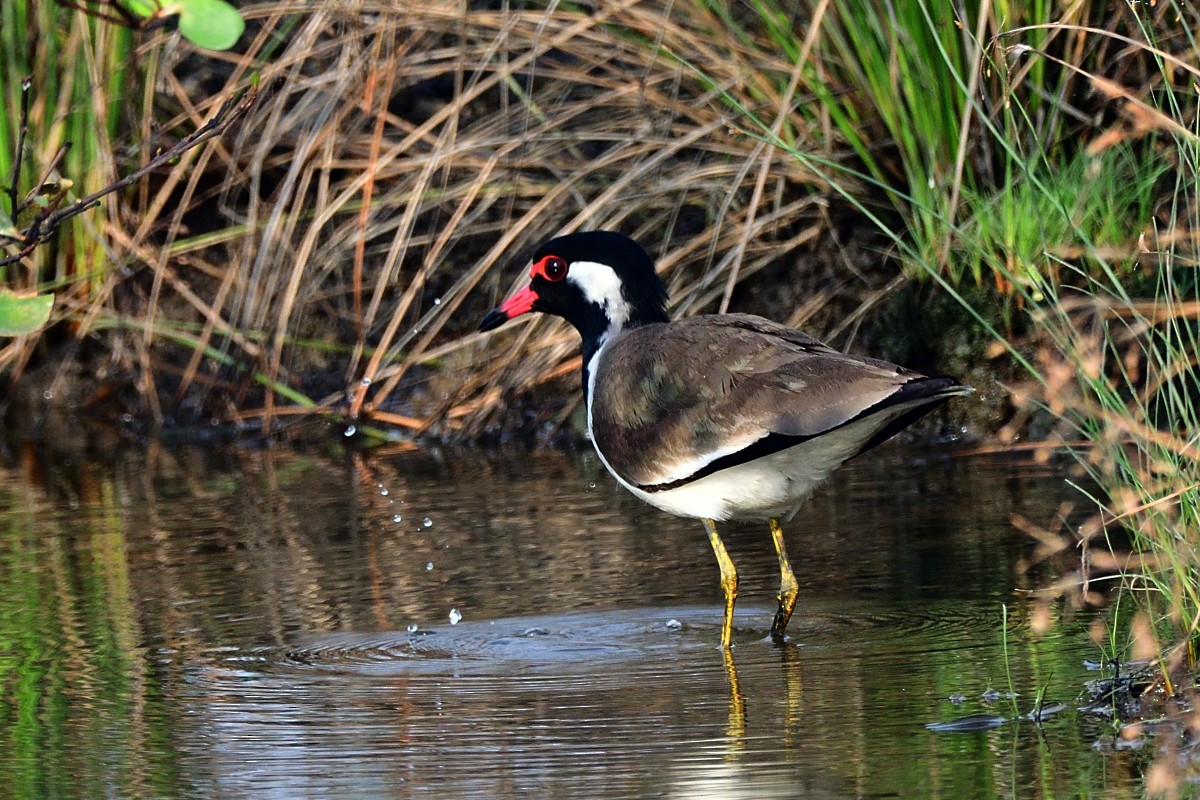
723 416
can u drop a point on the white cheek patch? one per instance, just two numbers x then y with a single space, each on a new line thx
600 285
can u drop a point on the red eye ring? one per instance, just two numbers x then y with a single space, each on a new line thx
551 268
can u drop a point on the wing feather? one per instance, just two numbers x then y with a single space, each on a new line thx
673 398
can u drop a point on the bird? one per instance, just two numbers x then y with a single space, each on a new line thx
718 416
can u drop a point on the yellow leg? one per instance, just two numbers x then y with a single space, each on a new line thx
729 580
788 588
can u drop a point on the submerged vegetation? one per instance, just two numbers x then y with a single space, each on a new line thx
328 254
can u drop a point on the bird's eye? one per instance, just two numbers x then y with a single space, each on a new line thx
552 268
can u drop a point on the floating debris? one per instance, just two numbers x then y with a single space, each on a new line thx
968 724
994 695
1044 712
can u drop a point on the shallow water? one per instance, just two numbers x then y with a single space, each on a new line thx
277 624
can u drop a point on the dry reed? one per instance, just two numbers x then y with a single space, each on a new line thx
333 255
380 193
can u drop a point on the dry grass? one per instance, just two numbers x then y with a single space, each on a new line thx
380 193
333 255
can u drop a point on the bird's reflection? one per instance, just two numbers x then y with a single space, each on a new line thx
791 671
735 731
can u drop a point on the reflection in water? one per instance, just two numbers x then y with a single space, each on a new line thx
278 625
735 731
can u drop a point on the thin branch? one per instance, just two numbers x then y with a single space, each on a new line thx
18 156
43 184
123 16
45 225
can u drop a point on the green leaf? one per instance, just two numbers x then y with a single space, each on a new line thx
23 313
213 24
143 8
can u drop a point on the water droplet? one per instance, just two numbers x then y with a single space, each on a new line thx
455 616
674 625
48 395
396 518
437 301
350 431
366 381
412 628
591 486
427 523
428 566
383 492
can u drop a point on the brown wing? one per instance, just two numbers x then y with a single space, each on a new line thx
676 396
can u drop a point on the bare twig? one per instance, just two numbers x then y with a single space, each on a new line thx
18 156
123 15
44 226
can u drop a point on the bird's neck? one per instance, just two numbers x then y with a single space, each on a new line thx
594 341
599 328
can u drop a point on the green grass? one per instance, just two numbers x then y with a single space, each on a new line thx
79 77
1087 232
1056 214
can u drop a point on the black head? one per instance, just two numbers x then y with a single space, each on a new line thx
599 281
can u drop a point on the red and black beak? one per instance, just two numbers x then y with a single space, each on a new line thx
520 303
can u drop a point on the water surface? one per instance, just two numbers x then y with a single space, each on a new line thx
190 623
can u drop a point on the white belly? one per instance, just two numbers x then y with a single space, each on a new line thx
774 486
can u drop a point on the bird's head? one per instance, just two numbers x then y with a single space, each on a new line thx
599 281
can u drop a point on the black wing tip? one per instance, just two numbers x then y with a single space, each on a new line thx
935 388
926 393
